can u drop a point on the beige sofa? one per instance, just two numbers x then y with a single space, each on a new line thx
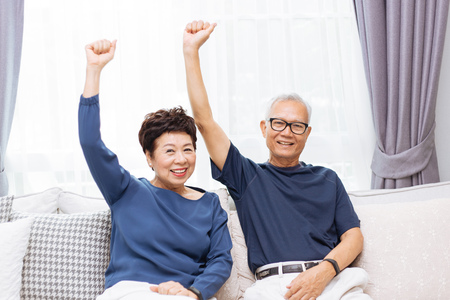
406 250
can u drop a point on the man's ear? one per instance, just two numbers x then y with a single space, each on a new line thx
263 127
308 131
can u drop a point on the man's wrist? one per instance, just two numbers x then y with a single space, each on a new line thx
334 264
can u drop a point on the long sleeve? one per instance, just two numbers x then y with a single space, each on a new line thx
219 261
110 177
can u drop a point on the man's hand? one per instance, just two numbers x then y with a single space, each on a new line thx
172 288
99 53
310 284
196 34
216 140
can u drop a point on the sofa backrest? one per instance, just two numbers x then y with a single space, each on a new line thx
409 194
406 241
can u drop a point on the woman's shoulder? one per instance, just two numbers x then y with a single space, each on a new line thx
203 194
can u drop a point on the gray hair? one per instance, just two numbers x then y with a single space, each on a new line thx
287 97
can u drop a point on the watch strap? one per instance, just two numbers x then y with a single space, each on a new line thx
335 265
196 292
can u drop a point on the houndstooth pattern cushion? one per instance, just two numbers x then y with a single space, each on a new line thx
5 208
67 255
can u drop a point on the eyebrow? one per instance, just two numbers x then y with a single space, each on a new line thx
298 120
173 145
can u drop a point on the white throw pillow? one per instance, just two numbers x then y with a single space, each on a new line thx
71 203
43 202
13 246
241 277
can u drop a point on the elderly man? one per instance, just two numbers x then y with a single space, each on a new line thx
300 227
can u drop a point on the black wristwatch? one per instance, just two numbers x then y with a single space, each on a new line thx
196 292
335 265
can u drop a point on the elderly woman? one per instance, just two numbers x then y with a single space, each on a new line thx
167 238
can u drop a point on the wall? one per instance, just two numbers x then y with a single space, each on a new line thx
443 113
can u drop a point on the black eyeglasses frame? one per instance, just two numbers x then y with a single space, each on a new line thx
288 124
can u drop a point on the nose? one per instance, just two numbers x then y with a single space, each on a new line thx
180 158
287 130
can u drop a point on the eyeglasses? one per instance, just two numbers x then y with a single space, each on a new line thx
280 125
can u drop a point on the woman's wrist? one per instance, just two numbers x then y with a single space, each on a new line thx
192 295
197 294
92 84
191 52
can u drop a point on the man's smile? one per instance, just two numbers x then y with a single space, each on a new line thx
285 143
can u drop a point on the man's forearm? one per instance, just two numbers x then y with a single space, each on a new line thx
348 249
198 96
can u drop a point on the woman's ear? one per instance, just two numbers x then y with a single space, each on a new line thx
149 159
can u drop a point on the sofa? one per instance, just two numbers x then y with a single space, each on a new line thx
55 244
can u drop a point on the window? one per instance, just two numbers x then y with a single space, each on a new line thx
258 50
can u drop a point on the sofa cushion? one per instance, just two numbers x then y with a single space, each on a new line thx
5 208
71 203
67 255
406 249
43 202
14 238
241 277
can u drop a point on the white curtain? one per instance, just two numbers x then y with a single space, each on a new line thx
259 49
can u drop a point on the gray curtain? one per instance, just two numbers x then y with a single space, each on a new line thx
11 32
402 44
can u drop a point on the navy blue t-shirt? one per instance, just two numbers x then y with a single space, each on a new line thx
286 214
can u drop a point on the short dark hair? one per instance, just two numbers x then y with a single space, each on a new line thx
162 121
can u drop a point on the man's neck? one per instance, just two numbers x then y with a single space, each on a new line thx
283 163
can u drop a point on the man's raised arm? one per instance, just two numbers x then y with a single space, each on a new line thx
217 142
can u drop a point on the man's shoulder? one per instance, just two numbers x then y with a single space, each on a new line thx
316 168
235 155
320 172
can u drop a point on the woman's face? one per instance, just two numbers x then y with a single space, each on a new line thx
173 160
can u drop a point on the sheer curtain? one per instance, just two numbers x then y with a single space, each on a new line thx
258 50
11 32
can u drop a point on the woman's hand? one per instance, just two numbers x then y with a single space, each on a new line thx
172 288
98 54
195 35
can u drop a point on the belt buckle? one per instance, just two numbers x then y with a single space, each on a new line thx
263 274
298 267
294 268
309 265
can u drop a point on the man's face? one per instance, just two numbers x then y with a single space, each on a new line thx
285 147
